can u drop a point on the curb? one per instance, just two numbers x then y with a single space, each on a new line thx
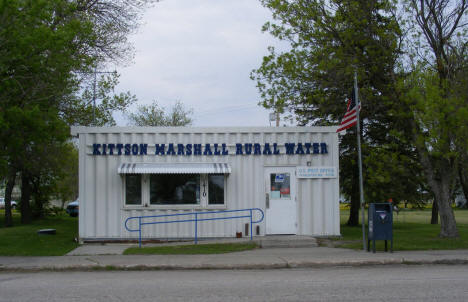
287 265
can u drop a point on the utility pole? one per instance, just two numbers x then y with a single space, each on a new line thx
94 92
94 96
95 73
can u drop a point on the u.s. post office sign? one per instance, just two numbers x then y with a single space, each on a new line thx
316 172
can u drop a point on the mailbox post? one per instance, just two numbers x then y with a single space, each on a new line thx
380 224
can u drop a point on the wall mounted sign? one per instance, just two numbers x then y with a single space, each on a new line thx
316 172
209 149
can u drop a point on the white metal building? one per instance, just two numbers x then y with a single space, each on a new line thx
291 173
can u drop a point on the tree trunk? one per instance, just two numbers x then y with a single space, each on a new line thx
8 190
39 200
448 225
435 213
463 182
441 187
25 197
440 174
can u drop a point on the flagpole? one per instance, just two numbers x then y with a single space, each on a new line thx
361 186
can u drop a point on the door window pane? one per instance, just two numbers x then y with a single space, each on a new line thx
133 189
216 189
280 187
175 189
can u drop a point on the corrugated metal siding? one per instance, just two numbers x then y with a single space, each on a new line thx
102 210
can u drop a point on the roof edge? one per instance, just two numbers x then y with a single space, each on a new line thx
75 130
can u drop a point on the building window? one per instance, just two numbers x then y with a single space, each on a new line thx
216 189
133 189
174 189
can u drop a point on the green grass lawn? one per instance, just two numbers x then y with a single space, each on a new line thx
23 240
192 249
412 231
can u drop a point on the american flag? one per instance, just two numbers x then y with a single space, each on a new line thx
350 117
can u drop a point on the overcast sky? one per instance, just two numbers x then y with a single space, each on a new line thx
201 52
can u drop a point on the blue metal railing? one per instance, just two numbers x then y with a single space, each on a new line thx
195 219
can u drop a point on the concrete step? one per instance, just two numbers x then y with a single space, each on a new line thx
286 241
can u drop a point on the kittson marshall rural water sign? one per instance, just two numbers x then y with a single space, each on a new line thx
210 149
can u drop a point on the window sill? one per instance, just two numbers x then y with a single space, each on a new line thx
216 206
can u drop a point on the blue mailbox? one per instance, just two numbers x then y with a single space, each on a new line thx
380 224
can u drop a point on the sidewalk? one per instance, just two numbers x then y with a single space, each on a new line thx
263 258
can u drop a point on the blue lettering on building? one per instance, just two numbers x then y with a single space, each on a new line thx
143 149
266 149
299 149
207 150
111 148
134 149
289 148
225 150
248 148
315 147
96 149
275 149
119 149
197 150
180 149
127 149
307 145
323 148
159 149
216 151
239 149
188 149
170 150
211 149
257 149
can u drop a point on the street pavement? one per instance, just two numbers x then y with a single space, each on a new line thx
109 257
413 283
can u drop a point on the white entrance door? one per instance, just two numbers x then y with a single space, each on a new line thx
281 213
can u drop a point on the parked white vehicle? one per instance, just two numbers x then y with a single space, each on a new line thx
2 203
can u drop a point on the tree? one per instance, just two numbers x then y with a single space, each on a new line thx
330 40
154 115
439 123
48 46
438 32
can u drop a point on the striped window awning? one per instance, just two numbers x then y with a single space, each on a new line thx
174 168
